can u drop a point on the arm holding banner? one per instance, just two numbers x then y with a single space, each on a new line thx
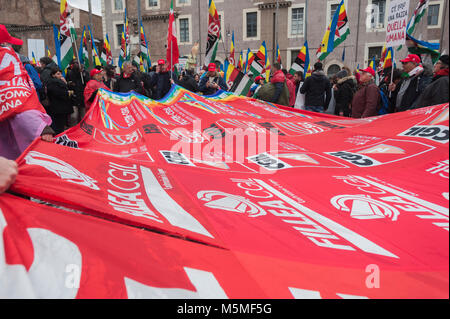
8 173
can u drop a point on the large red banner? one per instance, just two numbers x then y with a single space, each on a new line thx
309 205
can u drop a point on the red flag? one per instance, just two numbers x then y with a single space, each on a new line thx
172 43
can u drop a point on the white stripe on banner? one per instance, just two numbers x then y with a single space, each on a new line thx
352 237
166 206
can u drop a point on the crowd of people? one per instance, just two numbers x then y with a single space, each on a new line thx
67 98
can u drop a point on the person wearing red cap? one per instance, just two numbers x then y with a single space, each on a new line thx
414 82
21 124
128 80
212 81
366 100
161 81
91 89
259 81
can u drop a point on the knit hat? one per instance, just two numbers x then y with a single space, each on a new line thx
444 59
341 74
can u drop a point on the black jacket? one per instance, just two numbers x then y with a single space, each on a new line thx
131 83
161 84
46 73
317 90
208 90
435 93
58 95
415 88
346 88
74 83
188 83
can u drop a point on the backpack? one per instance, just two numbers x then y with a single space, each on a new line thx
383 108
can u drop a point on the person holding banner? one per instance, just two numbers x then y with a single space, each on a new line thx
8 173
212 81
22 116
92 87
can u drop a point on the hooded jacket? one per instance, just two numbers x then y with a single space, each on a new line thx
317 90
346 88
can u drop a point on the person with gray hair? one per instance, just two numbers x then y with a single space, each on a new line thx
128 80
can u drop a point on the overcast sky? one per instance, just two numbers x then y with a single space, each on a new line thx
83 4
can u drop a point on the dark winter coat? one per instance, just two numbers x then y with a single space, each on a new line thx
128 84
46 73
75 83
415 88
209 90
346 87
366 101
435 93
58 95
317 90
188 83
161 84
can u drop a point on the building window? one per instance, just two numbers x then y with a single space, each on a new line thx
118 5
119 30
374 52
294 54
333 69
376 12
333 9
297 21
184 30
252 24
152 3
183 3
433 14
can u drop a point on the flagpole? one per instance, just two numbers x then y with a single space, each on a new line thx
392 69
76 55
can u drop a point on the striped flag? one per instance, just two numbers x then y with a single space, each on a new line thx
278 55
173 53
83 56
127 37
238 82
232 57
266 72
414 43
56 37
336 33
106 54
301 62
213 34
49 54
66 33
240 65
123 49
257 66
33 59
248 60
145 55
95 55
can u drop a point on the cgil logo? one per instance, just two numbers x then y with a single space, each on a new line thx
231 203
364 207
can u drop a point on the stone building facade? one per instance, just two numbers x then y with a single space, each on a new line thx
290 24
32 21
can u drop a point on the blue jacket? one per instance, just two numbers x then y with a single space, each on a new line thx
34 76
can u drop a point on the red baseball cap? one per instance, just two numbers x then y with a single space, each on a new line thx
6 37
368 70
411 58
95 72
258 78
161 62
211 67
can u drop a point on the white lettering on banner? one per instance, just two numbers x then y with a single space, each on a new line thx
7 60
62 169
442 168
352 237
287 208
169 208
108 138
123 199
46 276
399 200
313 294
437 133
206 285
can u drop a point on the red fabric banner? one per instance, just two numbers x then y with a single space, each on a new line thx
17 92
311 205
